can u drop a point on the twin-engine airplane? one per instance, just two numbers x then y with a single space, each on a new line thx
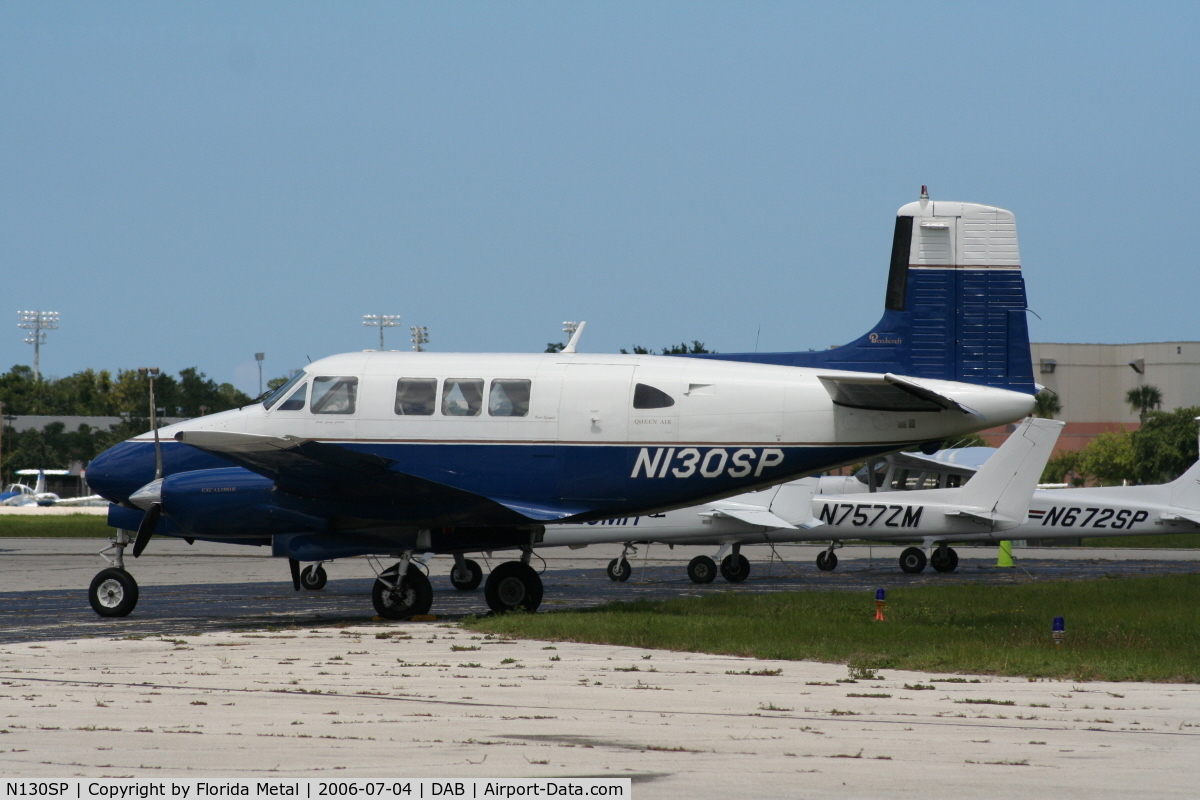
993 502
395 454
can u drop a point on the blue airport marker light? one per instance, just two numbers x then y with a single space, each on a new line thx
880 597
1058 630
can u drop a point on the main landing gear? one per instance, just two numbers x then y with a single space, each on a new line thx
735 567
513 585
114 592
942 558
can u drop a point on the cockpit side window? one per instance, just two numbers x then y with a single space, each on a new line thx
280 393
295 401
648 397
509 397
416 396
334 394
462 397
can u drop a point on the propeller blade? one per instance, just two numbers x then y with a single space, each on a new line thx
146 529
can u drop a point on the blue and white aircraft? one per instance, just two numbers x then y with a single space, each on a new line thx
395 454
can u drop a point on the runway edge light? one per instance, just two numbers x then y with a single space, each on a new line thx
1058 631
880 601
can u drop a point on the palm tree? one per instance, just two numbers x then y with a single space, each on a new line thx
1046 404
1142 399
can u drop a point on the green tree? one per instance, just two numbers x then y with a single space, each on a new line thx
1144 399
1046 405
1109 459
1062 468
1165 446
557 347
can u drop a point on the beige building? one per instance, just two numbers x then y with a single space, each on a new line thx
1091 380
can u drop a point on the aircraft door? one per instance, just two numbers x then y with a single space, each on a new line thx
593 430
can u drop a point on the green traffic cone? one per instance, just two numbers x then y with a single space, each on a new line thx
1004 554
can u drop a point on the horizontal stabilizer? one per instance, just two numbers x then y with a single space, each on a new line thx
751 516
1180 516
983 517
888 392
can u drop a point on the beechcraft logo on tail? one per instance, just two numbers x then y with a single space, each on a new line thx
662 462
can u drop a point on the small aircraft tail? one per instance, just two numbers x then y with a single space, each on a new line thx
1185 490
955 304
40 486
1004 485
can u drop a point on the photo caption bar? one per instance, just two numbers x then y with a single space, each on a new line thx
403 788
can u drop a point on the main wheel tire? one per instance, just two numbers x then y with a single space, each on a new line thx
314 578
944 559
619 570
113 593
468 577
414 595
735 569
912 560
702 569
826 561
513 585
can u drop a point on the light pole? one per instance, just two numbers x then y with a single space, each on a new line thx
259 358
569 328
381 321
37 321
420 337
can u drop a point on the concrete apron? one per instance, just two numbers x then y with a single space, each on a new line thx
432 700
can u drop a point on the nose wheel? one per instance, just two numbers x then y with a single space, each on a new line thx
619 570
466 574
113 593
314 578
401 598
735 567
944 559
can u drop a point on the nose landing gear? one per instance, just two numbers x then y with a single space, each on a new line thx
826 559
314 577
619 569
735 567
114 592
466 574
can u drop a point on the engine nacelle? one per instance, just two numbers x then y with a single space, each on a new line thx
232 502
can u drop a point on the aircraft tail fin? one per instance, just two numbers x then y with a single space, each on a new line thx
40 486
1185 490
1005 483
954 308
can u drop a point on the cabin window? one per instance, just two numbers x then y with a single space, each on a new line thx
295 401
648 397
278 394
333 394
416 397
509 397
462 397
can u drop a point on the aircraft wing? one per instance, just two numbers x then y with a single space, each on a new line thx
888 392
331 472
750 515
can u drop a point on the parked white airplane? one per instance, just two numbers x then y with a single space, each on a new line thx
396 454
995 500
19 494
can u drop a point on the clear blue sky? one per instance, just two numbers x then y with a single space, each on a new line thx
188 183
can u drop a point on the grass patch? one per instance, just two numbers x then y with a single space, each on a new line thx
1117 629
54 526
1184 540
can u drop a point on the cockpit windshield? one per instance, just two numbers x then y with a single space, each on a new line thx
275 396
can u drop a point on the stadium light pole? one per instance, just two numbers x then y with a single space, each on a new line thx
38 322
381 321
420 337
259 358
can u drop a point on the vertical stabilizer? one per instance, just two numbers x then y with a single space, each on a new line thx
1005 483
1185 490
954 307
